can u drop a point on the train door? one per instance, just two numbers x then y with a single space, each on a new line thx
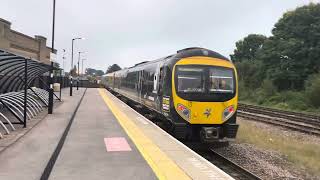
156 80
161 75
113 82
140 84
159 89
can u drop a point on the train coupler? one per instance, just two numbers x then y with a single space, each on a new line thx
209 134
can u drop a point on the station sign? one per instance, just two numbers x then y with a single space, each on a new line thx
53 57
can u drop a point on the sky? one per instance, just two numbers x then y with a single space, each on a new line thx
127 32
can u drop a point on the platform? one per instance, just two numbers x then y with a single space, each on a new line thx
107 140
32 147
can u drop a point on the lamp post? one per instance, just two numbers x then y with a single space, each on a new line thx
82 66
82 72
50 106
63 58
78 38
71 83
79 69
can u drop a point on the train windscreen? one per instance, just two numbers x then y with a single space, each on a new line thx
221 80
205 83
191 79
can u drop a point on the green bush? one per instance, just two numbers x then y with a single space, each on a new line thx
313 90
244 92
268 88
299 102
267 95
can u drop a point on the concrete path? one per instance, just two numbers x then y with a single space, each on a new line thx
29 155
84 154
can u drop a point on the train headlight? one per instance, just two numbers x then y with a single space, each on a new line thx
228 112
184 111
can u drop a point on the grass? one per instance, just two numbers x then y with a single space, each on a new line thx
301 153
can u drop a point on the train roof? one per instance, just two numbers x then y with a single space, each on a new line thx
188 52
184 53
198 51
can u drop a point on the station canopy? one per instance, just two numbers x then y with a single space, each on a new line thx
12 71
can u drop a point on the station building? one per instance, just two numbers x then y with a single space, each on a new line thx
20 44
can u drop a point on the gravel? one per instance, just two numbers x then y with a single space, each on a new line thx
267 164
263 163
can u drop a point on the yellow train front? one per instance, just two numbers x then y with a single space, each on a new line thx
194 91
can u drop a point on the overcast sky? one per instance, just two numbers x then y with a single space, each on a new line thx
130 31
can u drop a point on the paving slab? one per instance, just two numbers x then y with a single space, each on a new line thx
194 166
84 154
27 157
107 140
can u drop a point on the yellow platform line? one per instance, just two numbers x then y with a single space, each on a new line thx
160 163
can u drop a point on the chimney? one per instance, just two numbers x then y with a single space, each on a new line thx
5 27
42 48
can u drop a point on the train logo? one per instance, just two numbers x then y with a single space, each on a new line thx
207 112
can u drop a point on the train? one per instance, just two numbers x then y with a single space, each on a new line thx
194 92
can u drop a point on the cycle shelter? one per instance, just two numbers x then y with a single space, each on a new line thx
20 96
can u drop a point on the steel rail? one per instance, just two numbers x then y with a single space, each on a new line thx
233 169
286 123
289 114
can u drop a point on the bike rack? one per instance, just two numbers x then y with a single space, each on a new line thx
19 96
14 102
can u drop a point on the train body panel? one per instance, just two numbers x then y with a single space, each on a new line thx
195 88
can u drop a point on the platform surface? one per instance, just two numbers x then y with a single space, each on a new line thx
107 140
169 158
84 154
28 156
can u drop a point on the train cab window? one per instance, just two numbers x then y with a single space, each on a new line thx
191 79
221 80
205 83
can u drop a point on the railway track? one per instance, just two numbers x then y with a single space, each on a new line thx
231 168
305 123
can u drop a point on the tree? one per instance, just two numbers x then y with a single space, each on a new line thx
99 73
250 73
289 56
56 72
293 52
56 64
247 48
74 71
91 71
113 68
246 58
